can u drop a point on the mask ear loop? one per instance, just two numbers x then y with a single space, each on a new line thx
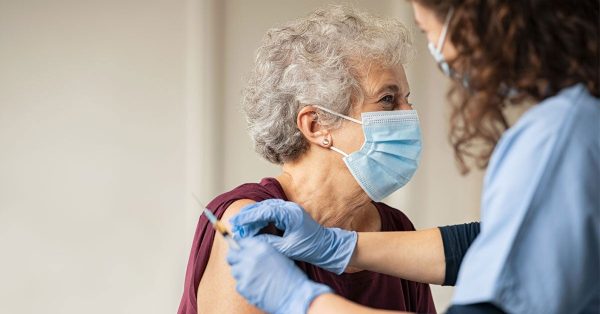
333 148
338 114
442 39
337 150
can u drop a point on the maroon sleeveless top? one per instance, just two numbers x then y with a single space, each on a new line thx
363 287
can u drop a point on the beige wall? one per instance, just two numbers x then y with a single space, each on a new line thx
113 112
92 156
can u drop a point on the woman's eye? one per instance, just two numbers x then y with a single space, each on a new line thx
388 102
388 99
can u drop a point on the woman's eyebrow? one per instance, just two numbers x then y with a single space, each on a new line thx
388 88
392 88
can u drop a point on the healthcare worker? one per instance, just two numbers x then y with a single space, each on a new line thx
538 247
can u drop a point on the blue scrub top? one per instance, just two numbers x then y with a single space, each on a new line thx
539 248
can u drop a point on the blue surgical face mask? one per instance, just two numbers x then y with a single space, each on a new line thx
390 155
436 51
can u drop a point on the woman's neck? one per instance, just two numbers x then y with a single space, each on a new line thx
329 194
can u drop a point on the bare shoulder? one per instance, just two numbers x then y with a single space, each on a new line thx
216 291
233 209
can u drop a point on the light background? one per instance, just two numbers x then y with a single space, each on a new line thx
113 112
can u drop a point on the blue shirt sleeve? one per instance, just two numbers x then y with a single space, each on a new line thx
538 250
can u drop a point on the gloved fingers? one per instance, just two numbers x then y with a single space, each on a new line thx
233 256
246 249
247 230
237 271
256 216
278 243
243 290
268 279
269 238
253 248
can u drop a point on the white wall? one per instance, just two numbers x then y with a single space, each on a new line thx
113 112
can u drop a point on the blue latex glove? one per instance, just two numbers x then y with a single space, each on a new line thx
271 281
303 239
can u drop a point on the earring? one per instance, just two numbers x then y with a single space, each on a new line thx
325 141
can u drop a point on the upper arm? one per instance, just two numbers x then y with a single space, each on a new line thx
216 291
457 240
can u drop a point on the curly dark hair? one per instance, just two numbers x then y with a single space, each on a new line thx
513 52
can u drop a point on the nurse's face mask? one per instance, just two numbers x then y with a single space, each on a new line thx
390 155
436 51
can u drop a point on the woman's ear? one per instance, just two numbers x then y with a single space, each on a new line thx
313 131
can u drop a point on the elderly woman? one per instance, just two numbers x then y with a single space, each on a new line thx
328 101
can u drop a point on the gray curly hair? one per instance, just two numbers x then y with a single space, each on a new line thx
315 61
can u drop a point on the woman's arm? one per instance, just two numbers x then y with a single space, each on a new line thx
413 255
216 291
274 283
421 256
430 256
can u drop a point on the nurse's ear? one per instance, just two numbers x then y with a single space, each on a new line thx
308 123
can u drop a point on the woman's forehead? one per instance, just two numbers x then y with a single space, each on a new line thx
424 18
378 78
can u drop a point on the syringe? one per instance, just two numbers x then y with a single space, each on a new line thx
218 225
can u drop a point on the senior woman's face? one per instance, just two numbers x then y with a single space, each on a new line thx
385 89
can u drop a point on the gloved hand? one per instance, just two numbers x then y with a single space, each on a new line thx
303 239
271 281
